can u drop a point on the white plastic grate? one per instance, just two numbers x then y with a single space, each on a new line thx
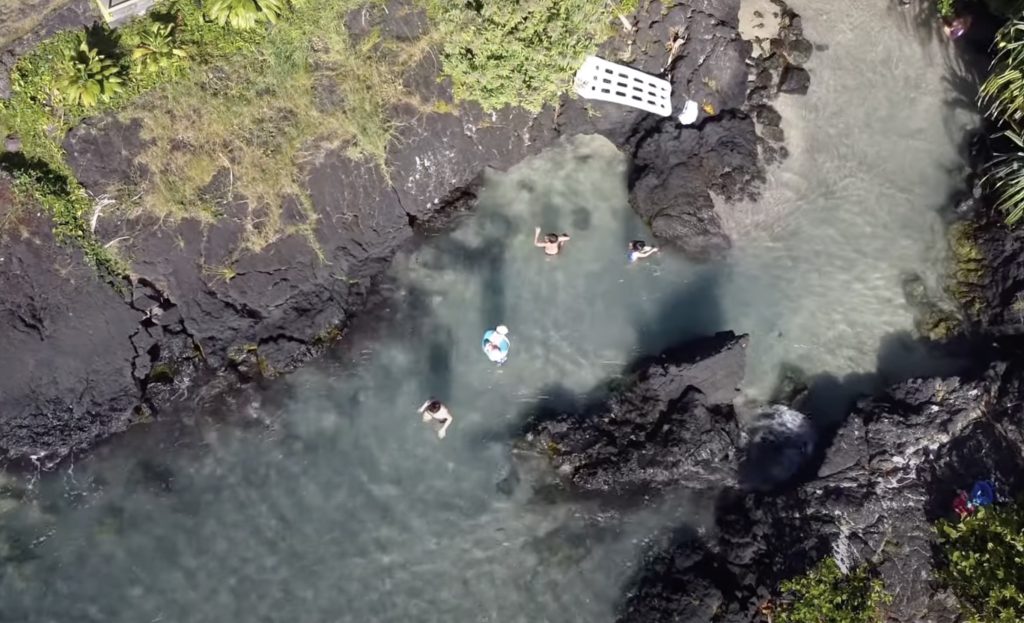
601 80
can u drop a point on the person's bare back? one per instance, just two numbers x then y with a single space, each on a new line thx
552 243
436 411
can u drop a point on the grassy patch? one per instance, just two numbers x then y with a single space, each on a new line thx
260 115
519 52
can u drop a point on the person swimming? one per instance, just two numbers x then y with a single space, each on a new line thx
436 411
552 243
496 344
638 249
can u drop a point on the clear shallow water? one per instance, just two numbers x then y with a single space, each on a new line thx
331 501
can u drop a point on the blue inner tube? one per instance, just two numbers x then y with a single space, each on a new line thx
983 493
502 343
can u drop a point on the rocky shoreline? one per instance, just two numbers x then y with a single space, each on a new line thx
874 489
160 337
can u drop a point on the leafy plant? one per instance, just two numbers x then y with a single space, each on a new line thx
1002 93
946 8
826 595
517 52
1005 175
245 14
984 563
88 76
156 49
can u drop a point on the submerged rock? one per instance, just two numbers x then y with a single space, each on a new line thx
669 423
795 81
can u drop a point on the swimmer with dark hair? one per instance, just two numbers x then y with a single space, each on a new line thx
638 249
552 243
436 411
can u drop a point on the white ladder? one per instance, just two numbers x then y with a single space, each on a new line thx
602 80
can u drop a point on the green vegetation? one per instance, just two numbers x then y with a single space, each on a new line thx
157 49
87 76
522 52
255 118
1002 93
245 14
826 595
984 563
968 268
232 108
1005 8
1002 97
1006 175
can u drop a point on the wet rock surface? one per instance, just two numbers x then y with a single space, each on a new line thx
66 354
208 304
670 424
892 469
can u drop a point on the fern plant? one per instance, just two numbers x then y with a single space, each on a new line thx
245 14
156 49
88 77
1002 93
1005 175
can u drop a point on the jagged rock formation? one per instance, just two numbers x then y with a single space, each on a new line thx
892 469
671 424
182 319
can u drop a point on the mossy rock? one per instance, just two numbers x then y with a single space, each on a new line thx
968 272
160 373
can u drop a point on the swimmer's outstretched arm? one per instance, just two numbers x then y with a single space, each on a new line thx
649 251
536 238
444 428
423 410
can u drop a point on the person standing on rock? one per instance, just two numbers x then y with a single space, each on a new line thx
436 411
638 249
552 243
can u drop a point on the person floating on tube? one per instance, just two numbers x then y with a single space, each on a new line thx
496 344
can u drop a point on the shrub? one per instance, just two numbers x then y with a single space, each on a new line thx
826 595
517 52
984 563
87 76
245 14
156 49
946 8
